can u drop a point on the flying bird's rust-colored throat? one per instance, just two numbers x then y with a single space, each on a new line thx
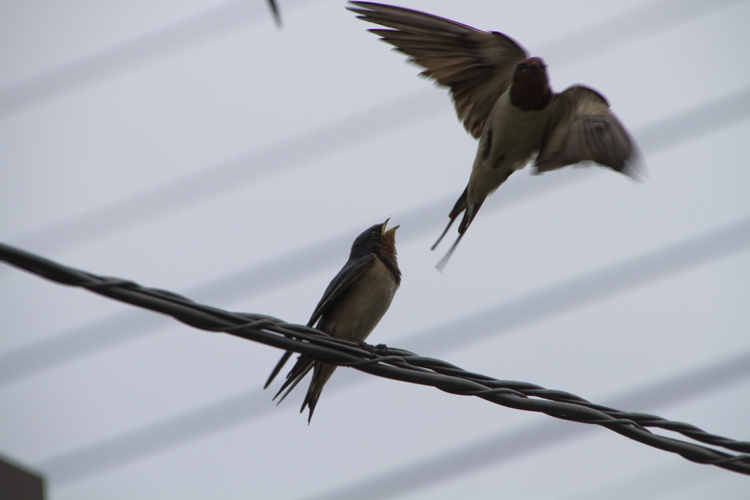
530 89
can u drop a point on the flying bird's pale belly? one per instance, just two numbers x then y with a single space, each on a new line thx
360 310
510 139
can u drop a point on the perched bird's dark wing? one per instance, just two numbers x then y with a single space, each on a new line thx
477 65
351 271
278 367
582 128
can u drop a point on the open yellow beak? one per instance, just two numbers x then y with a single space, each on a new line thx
383 231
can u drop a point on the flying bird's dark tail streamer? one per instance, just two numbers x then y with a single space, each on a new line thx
470 211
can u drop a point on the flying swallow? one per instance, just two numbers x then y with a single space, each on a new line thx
504 100
351 307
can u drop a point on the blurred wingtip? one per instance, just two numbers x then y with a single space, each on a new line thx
275 11
635 168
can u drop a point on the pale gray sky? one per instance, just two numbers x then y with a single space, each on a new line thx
193 146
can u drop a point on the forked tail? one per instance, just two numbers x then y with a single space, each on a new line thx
469 214
459 207
295 376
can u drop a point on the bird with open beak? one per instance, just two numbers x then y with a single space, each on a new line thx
504 100
351 307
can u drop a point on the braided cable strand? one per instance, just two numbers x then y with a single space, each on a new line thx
396 364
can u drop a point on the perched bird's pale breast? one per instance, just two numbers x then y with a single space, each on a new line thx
360 310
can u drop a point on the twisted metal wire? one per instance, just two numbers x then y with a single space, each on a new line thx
396 364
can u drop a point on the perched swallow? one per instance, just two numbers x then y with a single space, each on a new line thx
504 100
351 307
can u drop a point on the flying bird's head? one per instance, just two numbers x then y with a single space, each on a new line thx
530 88
379 241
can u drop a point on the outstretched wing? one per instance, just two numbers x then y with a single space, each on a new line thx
477 65
582 128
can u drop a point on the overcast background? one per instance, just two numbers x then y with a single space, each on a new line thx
193 146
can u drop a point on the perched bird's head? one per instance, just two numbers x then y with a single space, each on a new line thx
530 88
376 240
379 241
